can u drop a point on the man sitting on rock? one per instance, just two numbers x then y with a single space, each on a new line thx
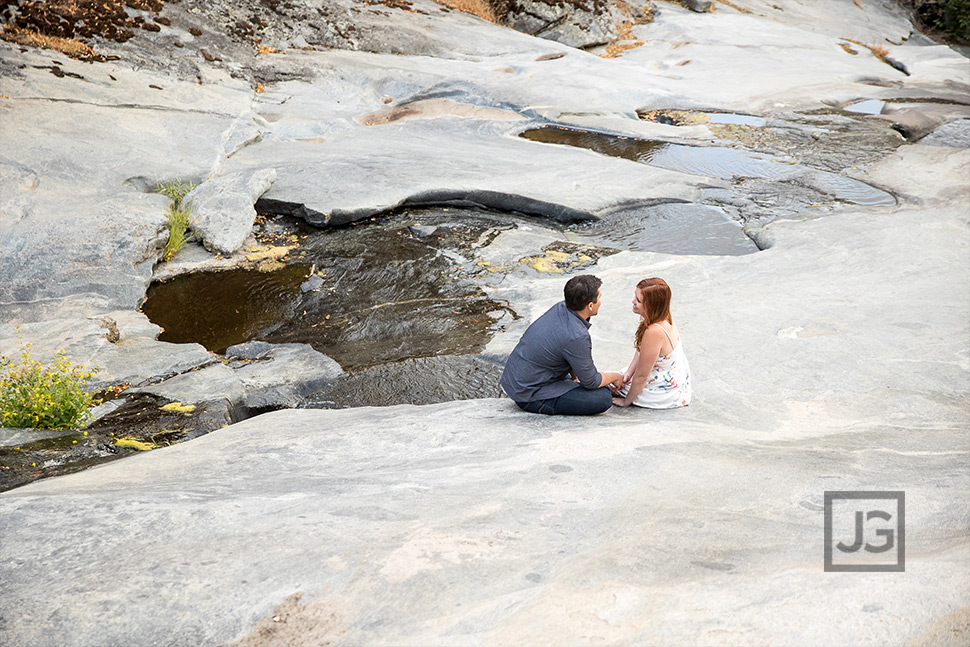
551 370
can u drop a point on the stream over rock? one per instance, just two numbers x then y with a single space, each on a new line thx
716 162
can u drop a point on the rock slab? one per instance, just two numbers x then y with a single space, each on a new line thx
222 208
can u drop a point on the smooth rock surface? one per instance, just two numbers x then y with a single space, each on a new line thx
282 375
222 208
134 358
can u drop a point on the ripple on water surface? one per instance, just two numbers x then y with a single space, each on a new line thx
671 227
382 295
219 309
422 380
712 161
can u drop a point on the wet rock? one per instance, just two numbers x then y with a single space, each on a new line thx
282 375
11 436
222 208
700 6
575 24
214 387
423 380
955 134
423 231
250 350
312 283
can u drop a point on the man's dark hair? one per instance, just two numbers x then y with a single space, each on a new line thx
580 291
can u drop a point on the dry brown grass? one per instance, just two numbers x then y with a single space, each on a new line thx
480 8
645 12
848 48
859 4
625 39
679 3
68 46
878 51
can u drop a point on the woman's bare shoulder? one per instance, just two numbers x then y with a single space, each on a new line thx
659 335
653 333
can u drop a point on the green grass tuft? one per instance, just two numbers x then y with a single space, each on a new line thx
179 216
176 190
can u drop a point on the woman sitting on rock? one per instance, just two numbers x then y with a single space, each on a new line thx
659 376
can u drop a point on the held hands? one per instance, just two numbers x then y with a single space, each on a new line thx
617 385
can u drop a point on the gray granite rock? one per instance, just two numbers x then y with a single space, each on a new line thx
575 24
134 358
955 134
700 6
203 384
222 208
249 350
75 204
282 375
105 250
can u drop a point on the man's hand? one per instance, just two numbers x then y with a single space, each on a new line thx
614 380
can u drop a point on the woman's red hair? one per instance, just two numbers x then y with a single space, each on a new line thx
655 297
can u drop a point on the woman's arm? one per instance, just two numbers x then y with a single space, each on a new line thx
643 362
632 368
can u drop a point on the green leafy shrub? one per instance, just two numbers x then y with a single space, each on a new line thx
179 216
44 397
950 16
955 18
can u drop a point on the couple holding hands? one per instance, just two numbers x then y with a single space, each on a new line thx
551 369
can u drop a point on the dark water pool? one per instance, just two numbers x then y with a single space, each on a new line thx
714 161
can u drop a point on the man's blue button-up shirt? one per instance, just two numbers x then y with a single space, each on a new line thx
555 343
